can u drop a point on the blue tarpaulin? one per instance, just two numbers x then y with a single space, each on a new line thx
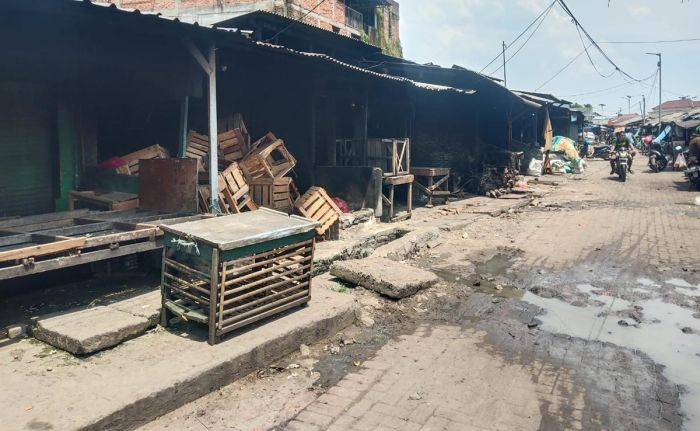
663 134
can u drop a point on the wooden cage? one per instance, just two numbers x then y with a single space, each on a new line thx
228 272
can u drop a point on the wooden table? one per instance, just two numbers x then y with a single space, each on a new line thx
436 182
391 183
110 201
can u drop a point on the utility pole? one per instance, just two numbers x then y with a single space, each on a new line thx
505 77
629 106
602 108
658 54
644 110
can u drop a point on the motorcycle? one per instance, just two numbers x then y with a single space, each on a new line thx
693 173
602 152
658 160
622 157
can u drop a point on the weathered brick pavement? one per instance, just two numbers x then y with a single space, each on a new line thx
442 379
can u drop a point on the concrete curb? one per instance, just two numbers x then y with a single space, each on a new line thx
132 384
142 411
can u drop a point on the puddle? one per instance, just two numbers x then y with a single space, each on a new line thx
659 335
498 264
479 283
678 282
647 282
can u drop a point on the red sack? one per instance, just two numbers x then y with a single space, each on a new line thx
342 205
112 163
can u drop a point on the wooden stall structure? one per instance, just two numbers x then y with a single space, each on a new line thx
436 183
46 242
228 272
392 156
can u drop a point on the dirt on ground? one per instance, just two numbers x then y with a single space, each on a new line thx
588 296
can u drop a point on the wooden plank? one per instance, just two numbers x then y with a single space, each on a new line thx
42 249
68 261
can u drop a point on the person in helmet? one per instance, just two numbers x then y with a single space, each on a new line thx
694 147
622 140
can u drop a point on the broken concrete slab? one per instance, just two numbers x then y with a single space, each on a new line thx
328 252
143 378
408 245
89 330
384 276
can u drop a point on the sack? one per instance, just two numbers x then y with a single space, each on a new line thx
535 168
680 162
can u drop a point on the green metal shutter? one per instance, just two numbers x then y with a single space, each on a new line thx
25 150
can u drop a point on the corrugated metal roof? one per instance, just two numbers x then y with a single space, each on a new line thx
240 37
335 61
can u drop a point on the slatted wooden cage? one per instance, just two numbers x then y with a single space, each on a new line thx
234 270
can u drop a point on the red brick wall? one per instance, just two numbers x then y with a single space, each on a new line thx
328 14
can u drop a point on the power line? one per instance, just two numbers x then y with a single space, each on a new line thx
590 38
544 17
611 88
561 70
295 21
546 10
642 42
585 49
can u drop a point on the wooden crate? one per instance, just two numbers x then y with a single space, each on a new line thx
132 159
231 271
233 145
274 193
268 158
317 205
234 192
198 148
392 156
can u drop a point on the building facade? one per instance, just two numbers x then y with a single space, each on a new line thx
373 21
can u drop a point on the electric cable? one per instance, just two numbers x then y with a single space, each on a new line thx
561 70
546 10
590 38
544 17
295 21
648 42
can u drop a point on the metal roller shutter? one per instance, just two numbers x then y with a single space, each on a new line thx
25 150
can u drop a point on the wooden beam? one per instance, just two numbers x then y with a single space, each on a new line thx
68 261
184 126
197 54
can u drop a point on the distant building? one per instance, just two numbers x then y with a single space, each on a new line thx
373 21
681 105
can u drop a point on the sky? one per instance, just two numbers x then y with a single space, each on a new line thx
470 33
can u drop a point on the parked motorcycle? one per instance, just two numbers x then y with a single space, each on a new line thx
602 151
622 157
693 173
658 159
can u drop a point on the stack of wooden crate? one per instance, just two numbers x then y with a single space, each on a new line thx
251 174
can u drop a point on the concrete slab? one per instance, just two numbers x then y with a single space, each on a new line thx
143 378
89 330
384 276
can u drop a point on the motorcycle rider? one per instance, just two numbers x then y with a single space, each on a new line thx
694 147
622 140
